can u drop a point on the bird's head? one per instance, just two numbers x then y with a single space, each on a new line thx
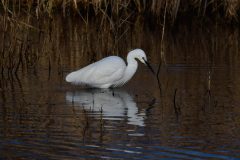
140 55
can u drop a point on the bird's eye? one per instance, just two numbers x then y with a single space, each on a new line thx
144 59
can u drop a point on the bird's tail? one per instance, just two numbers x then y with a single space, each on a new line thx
71 77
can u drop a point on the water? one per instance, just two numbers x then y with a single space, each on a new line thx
195 115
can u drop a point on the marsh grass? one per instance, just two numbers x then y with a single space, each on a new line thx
21 19
227 9
32 35
16 47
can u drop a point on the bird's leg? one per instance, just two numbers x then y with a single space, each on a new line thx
113 94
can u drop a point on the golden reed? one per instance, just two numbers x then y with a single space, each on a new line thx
226 9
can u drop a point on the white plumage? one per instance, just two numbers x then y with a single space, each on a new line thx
111 71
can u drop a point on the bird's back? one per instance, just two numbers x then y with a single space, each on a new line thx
99 74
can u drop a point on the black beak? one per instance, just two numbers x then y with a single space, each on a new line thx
149 66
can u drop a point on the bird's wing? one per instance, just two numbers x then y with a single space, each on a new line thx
107 70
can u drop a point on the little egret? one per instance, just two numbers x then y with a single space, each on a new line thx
111 71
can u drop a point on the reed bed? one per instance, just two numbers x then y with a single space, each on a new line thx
32 33
223 9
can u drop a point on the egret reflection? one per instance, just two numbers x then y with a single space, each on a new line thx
115 105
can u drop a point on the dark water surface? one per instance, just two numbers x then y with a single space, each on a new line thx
195 115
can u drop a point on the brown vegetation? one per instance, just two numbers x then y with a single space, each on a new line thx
29 36
226 9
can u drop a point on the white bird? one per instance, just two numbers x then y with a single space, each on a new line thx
111 71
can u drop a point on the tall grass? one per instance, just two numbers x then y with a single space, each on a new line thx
31 33
226 9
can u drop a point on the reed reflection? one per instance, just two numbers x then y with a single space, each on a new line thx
114 104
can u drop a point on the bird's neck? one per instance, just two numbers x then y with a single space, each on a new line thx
131 69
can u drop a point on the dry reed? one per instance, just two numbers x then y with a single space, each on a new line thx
26 40
228 9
